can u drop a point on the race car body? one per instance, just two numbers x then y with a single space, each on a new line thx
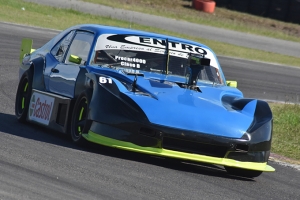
143 92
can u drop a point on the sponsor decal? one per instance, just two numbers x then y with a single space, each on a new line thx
130 62
155 42
128 42
41 107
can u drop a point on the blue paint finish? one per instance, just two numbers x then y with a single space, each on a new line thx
51 62
172 106
249 109
190 110
186 109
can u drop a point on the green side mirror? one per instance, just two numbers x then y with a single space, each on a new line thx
75 59
231 84
26 47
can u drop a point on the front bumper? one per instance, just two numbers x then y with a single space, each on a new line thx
212 150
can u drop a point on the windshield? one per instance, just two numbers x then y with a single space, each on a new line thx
123 52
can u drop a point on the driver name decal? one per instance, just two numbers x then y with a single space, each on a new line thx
40 108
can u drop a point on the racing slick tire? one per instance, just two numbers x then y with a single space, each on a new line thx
79 117
243 172
23 96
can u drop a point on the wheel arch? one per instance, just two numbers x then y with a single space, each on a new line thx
82 83
36 67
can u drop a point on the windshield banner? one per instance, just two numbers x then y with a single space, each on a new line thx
149 44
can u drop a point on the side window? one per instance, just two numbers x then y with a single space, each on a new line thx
61 47
80 47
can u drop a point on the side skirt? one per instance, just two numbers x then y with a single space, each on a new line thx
49 110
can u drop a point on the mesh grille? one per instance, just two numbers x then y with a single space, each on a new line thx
194 147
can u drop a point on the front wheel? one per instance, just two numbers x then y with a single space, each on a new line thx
243 172
79 117
23 96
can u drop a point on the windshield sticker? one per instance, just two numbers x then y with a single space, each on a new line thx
139 43
127 64
130 62
155 42
136 60
152 45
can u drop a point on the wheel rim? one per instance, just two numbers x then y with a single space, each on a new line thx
23 98
80 118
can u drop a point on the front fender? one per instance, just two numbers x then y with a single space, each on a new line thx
109 105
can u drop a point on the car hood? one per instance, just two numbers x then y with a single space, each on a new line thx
208 111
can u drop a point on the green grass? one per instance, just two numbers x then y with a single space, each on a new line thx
55 18
286 137
222 18
286 132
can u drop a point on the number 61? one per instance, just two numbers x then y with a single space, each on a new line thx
104 80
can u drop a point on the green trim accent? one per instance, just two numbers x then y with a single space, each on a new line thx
79 118
231 84
99 139
75 59
81 112
26 86
26 47
23 103
23 99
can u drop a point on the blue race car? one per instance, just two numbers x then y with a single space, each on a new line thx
143 92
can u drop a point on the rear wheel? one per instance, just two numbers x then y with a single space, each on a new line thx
243 172
79 117
23 96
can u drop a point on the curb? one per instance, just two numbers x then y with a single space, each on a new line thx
284 161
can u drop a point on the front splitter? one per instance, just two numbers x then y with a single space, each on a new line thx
106 141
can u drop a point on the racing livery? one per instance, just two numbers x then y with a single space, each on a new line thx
143 92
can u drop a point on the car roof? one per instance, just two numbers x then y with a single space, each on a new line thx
102 29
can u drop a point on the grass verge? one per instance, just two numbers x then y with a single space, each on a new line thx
286 130
17 11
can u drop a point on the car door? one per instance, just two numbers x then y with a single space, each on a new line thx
70 53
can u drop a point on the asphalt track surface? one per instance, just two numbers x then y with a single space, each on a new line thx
231 37
40 164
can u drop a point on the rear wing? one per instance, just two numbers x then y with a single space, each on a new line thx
26 48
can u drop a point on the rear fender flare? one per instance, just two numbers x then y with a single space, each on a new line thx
37 67
38 77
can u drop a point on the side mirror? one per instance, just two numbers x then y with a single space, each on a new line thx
231 84
75 59
26 48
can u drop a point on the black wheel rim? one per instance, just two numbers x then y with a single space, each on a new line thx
80 118
23 96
